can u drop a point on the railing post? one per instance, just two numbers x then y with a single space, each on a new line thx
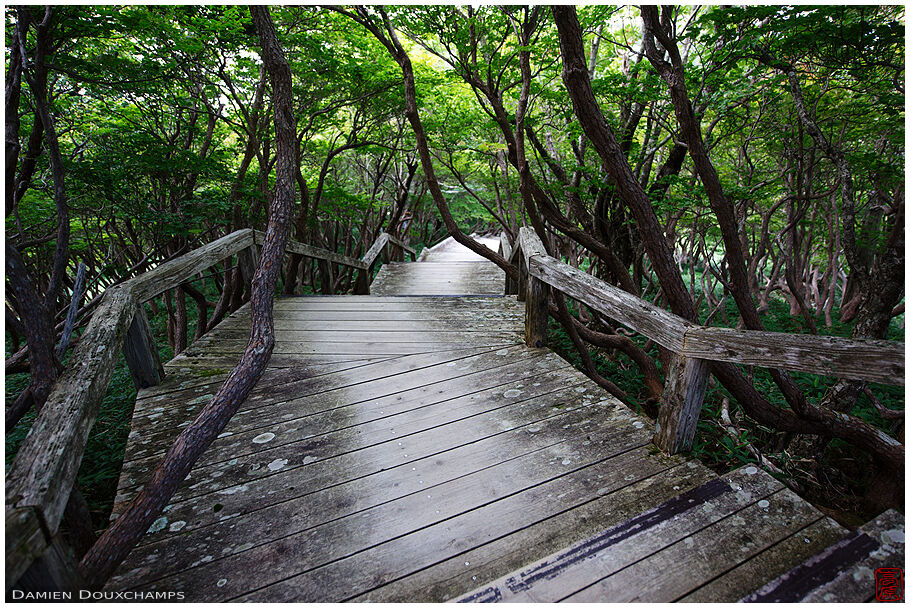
536 291
362 283
522 287
328 278
680 405
536 312
505 249
54 570
248 259
140 352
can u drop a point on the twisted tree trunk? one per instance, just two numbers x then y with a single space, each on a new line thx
114 545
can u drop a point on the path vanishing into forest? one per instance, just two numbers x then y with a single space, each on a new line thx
408 446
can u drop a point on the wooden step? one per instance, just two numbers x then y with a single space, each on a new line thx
845 571
676 548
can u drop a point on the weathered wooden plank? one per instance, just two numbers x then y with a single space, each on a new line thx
140 352
370 349
314 252
386 336
424 420
25 542
164 415
350 383
476 266
656 323
675 570
44 470
843 572
628 490
247 483
299 385
337 539
387 323
771 563
173 273
379 396
393 303
193 381
369 258
335 409
222 360
558 576
429 298
445 475
439 281
388 561
874 360
680 405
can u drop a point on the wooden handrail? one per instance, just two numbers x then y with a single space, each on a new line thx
44 470
171 274
372 254
398 242
873 360
315 252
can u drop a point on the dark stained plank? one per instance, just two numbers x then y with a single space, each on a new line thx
845 570
675 570
731 585
610 504
570 571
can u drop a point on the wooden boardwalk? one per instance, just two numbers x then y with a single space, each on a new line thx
447 269
413 449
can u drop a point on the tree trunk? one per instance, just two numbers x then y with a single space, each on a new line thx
114 545
812 419
389 40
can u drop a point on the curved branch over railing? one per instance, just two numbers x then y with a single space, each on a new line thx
43 473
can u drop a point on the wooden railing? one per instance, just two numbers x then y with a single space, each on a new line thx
43 472
694 345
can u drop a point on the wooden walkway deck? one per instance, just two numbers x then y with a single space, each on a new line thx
413 449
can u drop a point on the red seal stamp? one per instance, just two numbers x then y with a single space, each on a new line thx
889 585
